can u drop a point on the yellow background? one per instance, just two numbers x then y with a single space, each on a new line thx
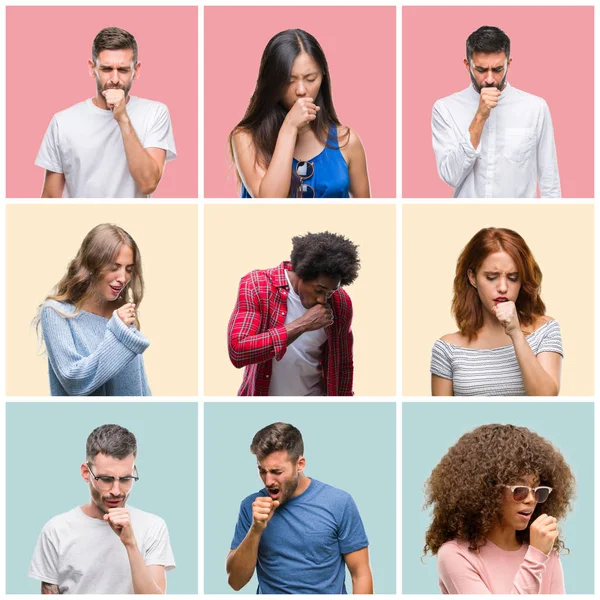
239 239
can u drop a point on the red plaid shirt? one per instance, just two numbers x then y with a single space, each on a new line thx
256 333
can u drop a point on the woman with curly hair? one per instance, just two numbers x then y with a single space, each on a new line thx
505 344
90 323
290 142
497 497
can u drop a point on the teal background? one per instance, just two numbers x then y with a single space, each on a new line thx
45 446
425 440
351 446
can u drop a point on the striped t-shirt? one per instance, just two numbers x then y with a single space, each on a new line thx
490 372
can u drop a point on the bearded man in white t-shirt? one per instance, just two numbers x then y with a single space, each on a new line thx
492 140
104 546
112 145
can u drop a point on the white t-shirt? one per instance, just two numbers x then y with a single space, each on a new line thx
83 555
299 372
516 150
84 143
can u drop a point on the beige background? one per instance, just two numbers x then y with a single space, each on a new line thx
239 239
40 243
561 238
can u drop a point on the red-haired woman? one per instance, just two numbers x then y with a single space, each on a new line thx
505 345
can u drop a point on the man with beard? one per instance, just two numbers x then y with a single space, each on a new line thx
297 532
105 547
492 140
113 145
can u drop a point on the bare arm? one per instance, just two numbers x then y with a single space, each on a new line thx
54 185
49 588
441 386
360 571
541 373
241 562
150 579
357 167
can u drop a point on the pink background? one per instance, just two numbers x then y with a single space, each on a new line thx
553 52
359 43
47 53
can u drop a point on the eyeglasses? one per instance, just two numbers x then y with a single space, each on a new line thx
521 492
106 482
305 170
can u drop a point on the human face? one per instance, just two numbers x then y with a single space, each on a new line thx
109 466
114 69
517 515
497 280
305 80
316 291
117 276
280 475
488 70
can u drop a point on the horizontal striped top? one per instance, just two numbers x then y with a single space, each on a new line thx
490 372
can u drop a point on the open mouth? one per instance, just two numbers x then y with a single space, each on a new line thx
526 514
116 289
500 299
274 492
114 503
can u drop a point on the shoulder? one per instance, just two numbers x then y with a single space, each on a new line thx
255 278
447 101
342 304
149 105
349 141
450 551
54 526
149 519
73 112
334 496
241 140
456 338
57 307
531 99
545 325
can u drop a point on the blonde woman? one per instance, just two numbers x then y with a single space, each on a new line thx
89 323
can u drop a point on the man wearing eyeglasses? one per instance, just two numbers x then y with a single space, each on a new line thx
104 546
291 325
492 140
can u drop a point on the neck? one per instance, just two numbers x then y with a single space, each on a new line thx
99 306
91 510
294 279
303 483
504 537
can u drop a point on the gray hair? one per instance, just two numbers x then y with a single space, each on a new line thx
112 440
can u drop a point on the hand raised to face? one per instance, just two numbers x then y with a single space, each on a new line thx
115 100
120 522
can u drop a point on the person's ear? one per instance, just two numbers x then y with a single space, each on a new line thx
85 472
300 464
472 279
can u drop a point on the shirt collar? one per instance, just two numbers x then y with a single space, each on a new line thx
277 275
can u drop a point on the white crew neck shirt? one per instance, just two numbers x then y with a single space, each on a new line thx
84 142
299 372
516 150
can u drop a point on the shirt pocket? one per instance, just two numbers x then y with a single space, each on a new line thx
518 143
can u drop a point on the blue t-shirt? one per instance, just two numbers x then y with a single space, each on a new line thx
300 551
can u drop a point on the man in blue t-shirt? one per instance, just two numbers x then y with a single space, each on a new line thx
297 532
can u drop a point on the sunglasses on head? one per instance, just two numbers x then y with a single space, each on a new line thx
521 492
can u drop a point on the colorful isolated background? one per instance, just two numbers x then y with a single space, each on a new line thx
561 238
259 237
45 445
351 446
360 45
425 440
47 49
48 238
553 57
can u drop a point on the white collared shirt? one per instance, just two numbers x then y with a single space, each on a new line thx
516 150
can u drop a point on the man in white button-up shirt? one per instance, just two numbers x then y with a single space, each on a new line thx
492 140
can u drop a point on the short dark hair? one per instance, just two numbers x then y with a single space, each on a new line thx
488 40
325 253
276 437
114 38
112 440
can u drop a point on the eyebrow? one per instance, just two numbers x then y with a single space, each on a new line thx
498 272
306 75
111 67
119 264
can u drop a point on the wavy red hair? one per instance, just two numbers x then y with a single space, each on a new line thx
466 305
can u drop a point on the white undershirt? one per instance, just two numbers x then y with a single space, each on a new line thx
299 372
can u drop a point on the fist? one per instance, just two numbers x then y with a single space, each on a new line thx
302 113
317 317
127 314
506 313
488 99
120 523
543 532
263 509
115 100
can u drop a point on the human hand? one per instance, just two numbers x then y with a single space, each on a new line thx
127 314
115 100
488 99
317 317
302 113
120 522
263 509
543 532
506 313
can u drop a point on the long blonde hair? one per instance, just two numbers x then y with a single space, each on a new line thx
98 252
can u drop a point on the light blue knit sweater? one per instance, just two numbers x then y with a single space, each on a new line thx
89 355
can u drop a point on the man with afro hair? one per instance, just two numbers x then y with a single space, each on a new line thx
291 325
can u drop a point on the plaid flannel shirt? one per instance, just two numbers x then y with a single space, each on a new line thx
256 333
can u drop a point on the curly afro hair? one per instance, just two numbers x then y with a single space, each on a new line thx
325 253
466 489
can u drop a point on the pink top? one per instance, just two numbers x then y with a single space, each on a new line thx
496 571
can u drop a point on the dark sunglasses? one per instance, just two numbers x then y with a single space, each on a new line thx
521 492
305 170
